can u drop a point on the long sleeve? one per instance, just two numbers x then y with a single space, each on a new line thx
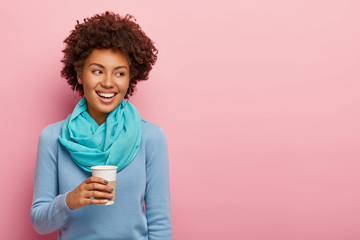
157 195
49 211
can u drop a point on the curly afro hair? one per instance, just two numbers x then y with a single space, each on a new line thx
109 31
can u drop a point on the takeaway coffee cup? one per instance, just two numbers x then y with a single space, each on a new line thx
108 173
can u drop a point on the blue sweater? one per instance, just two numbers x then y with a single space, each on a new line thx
144 180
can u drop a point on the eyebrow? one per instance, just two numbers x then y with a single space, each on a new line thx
101 66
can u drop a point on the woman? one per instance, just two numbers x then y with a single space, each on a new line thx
104 58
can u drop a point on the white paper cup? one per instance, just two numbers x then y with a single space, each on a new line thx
108 173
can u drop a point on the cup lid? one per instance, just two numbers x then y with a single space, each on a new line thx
104 167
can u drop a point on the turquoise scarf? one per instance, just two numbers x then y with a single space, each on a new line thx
116 142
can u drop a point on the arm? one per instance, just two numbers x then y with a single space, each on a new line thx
157 195
48 211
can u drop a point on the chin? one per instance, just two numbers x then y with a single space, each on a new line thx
108 109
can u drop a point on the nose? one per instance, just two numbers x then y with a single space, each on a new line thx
107 81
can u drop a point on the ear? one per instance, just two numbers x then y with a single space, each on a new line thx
79 75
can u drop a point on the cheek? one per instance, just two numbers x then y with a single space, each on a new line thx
86 88
123 86
90 83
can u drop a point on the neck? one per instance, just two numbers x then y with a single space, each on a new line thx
100 121
99 118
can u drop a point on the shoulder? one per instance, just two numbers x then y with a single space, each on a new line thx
48 139
151 132
154 142
52 130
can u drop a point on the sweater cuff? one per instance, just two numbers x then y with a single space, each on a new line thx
66 207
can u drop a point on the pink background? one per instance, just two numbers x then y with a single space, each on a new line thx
259 100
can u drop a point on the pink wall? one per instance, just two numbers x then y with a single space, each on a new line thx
259 100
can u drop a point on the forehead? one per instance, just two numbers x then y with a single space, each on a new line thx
107 58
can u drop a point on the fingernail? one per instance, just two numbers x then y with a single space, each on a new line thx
106 181
105 201
111 189
110 195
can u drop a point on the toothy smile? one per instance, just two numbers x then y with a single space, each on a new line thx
106 95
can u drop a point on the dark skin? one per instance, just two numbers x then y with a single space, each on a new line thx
105 70
92 187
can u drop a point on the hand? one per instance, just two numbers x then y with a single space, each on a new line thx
92 187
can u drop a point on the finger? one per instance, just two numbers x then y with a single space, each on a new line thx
96 180
98 195
99 187
90 201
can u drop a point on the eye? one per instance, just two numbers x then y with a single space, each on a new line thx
120 74
97 72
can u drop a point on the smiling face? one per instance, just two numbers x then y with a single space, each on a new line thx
105 78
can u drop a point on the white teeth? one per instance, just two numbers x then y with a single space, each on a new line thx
108 95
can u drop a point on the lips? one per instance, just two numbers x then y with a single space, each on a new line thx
106 97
